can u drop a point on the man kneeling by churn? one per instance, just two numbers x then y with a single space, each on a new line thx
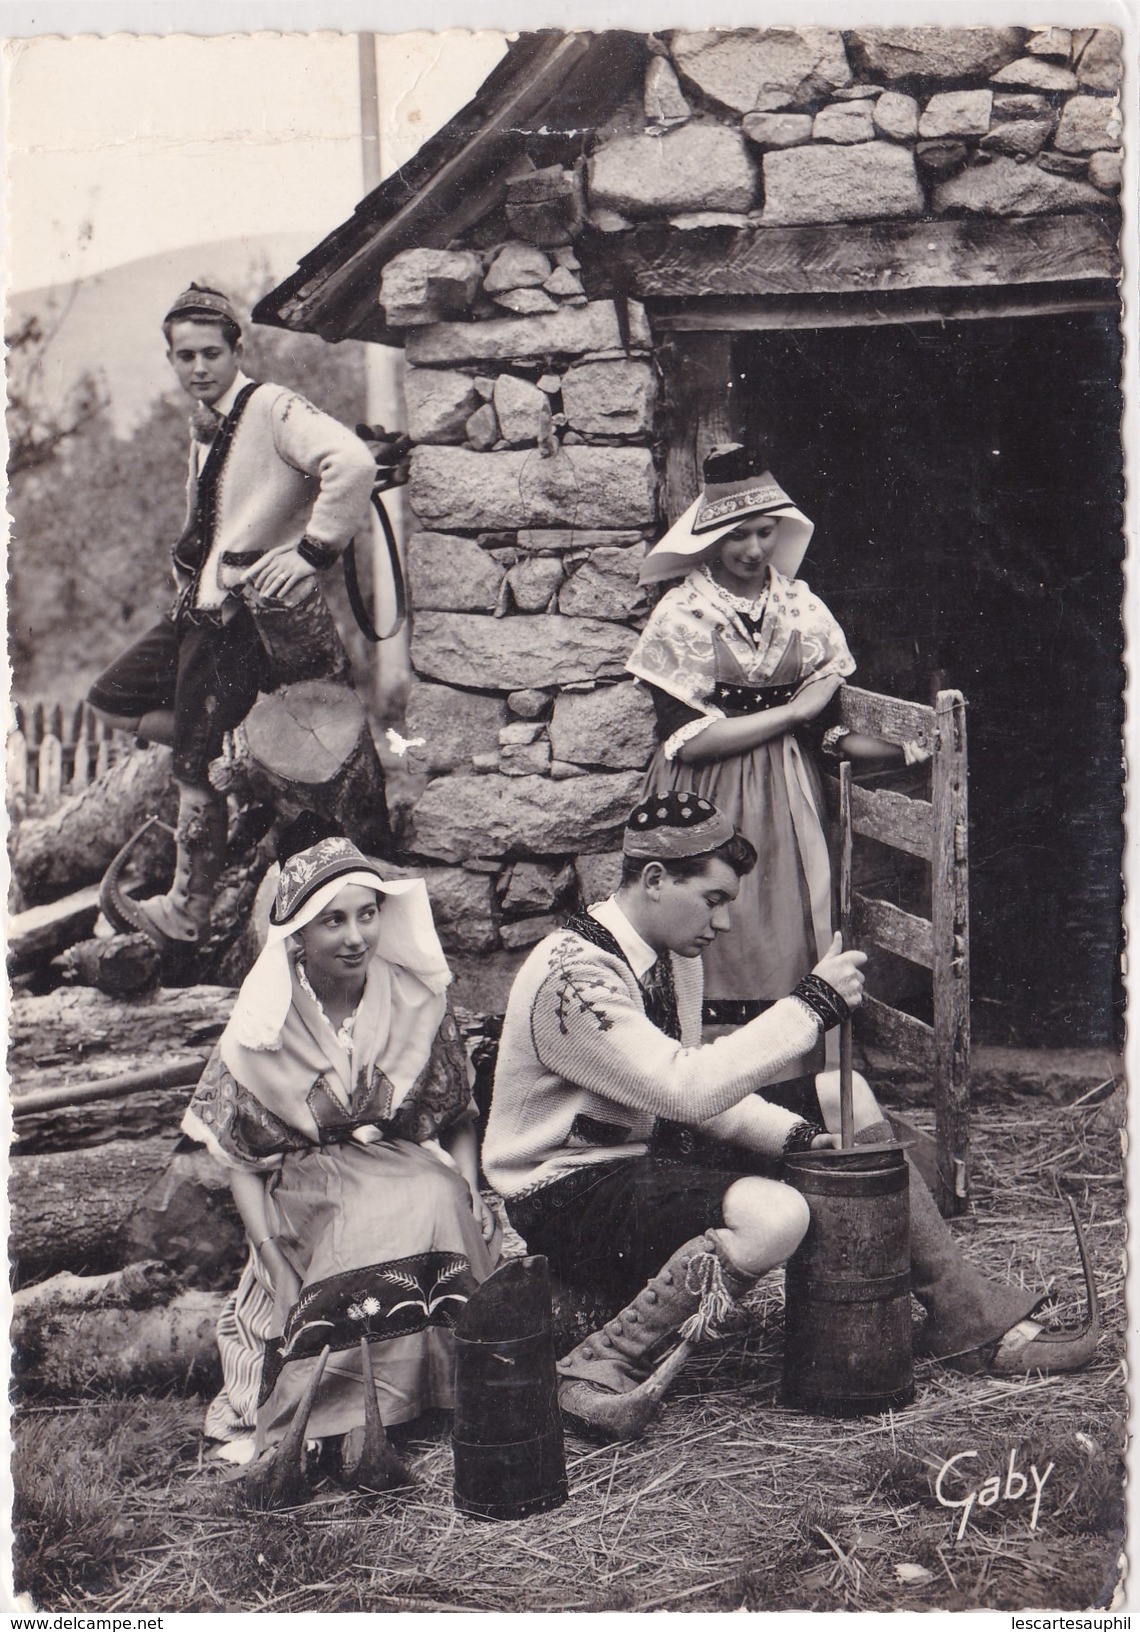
602 1038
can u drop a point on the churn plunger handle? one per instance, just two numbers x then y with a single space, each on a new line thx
846 1107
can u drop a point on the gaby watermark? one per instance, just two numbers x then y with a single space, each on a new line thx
1013 1487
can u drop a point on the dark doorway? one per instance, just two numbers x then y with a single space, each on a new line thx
966 484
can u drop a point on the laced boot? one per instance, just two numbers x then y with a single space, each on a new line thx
968 1315
183 913
613 1382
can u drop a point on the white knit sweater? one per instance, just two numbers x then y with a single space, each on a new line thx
290 470
576 1043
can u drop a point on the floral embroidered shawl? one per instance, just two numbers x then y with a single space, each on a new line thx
694 635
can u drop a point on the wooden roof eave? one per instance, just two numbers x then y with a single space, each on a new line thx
446 187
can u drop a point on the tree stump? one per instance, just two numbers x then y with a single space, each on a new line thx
305 649
308 746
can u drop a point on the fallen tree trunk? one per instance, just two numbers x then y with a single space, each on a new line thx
70 1210
41 932
76 1034
178 1074
138 1286
74 1352
99 1122
52 855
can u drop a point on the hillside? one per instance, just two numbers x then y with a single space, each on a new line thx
111 323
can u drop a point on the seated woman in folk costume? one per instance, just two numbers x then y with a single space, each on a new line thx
338 1099
743 663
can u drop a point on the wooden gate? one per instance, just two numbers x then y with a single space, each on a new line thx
934 831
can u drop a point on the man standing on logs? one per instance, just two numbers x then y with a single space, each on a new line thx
275 492
601 1038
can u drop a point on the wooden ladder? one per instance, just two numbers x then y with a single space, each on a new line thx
936 832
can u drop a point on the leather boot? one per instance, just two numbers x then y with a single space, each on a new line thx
612 1383
183 913
965 1310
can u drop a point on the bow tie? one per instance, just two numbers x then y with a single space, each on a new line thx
205 422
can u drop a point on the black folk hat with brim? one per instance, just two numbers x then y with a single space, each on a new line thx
737 485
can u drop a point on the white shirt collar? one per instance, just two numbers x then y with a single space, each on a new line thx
640 954
227 399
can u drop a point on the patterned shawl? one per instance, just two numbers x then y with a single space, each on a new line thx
678 649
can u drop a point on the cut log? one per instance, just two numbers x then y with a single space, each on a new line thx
96 1210
55 854
138 1286
308 747
122 966
70 1210
77 1034
99 1122
41 932
78 1352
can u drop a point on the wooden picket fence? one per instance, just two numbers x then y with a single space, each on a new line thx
54 752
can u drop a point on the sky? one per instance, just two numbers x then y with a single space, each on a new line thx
126 146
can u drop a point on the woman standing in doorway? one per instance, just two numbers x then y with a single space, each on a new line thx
744 662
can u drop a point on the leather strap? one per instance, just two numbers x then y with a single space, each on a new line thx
352 582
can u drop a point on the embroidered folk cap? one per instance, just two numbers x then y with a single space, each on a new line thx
309 881
672 825
307 871
737 484
197 301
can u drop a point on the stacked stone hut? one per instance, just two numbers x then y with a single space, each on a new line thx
628 248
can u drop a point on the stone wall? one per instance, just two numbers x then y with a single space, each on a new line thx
534 489
534 409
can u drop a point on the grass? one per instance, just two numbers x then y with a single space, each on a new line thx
731 1502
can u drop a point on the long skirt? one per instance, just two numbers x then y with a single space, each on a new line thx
781 918
387 1247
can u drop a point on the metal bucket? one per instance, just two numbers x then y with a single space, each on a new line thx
507 1436
847 1313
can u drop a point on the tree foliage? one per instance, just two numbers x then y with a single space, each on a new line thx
38 426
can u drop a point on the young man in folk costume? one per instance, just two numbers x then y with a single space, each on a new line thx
275 492
601 1038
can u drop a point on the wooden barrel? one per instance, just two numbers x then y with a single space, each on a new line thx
847 1312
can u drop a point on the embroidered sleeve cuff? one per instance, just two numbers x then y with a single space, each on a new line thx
800 1137
318 555
823 1000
